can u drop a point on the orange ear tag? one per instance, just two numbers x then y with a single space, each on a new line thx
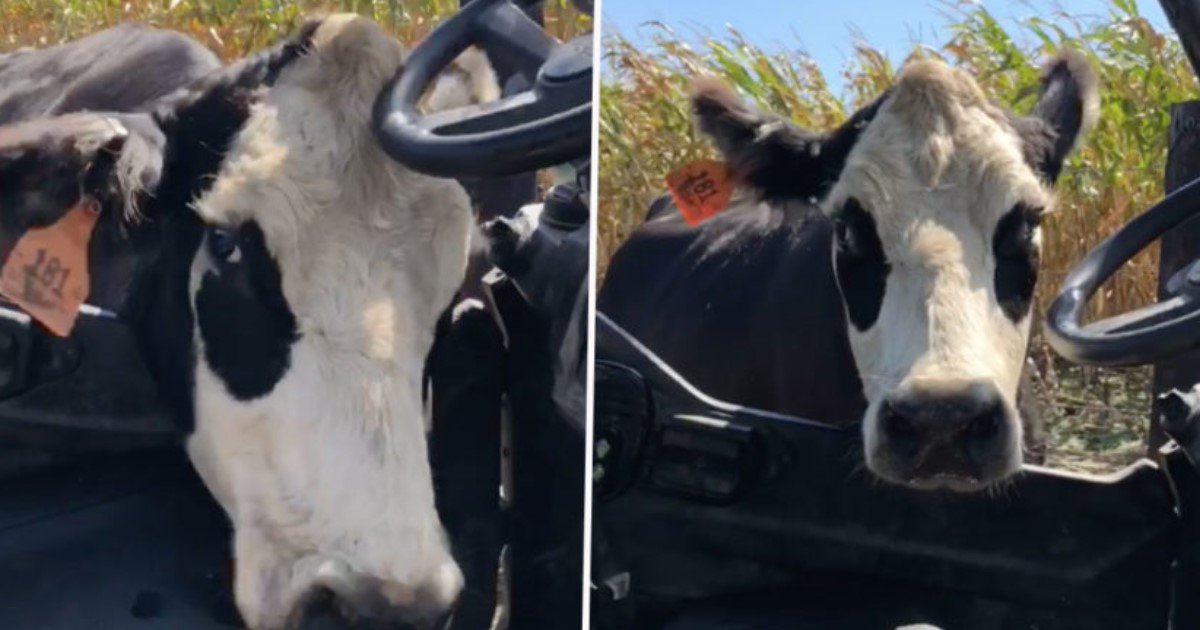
47 271
700 189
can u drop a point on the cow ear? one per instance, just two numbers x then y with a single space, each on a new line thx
48 164
1068 106
202 119
773 157
130 167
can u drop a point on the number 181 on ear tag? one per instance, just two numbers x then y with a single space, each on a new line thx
47 271
700 189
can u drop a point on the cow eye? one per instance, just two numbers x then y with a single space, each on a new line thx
223 245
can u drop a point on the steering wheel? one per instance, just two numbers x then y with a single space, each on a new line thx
548 124
1144 334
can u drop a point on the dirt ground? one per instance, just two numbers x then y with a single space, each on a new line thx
1096 420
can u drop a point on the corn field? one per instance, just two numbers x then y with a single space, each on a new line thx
234 28
1096 421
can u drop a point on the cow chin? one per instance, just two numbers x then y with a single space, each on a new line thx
956 435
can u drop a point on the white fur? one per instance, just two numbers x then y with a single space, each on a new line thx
326 478
470 80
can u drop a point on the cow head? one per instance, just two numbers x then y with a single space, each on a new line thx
300 277
936 197
316 291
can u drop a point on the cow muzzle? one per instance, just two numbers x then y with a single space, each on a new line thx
324 609
341 601
947 434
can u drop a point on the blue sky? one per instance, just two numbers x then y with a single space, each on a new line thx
825 28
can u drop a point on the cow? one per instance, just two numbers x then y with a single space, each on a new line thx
284 279
881 272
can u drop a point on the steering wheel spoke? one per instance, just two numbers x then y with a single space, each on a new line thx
1144 317
507 30
506 112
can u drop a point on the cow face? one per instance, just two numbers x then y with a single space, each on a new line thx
297 286
936 198
317 288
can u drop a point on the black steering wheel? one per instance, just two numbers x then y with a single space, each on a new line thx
1142 335
548 124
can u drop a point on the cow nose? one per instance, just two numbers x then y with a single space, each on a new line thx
948 432
331 613
375 605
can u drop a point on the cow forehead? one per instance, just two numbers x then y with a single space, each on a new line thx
270 177
938 152
303 150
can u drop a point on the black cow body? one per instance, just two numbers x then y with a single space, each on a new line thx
47 97
744 306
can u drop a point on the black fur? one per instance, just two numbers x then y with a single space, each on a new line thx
1066 85
862 268
121 69
245 322
772 156
1017 260
1037 144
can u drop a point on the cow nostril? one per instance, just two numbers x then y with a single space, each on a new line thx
322 609
986 425
896 424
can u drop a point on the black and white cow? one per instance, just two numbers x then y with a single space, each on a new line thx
882 271
284 278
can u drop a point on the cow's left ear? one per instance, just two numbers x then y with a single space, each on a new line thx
771 156
1069 105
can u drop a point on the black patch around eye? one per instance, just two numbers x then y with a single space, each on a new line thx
222 243
1017 260
245 322
861 267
